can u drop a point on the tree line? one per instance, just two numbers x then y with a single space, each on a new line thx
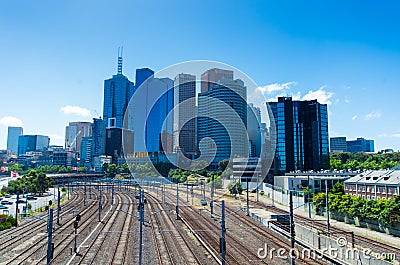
386 211
355 161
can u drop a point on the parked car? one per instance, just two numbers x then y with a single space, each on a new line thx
31 198
6 202
203 202
2 207
21 201
7 196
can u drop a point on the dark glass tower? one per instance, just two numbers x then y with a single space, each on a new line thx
118 90
302 135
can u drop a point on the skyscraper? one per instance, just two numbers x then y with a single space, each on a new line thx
222 116
12 138
99 137
302 135
360 145
214 76
184 136
152 101
338 144
32 143
74 133
118 90
254 130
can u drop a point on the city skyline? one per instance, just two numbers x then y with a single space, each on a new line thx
349 63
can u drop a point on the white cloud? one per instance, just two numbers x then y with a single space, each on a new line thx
347 100
397 135
321 95
383 135
373 115
354 118
268 89
76 110
11 121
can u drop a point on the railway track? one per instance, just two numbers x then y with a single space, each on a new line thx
360 241
172 246
239 250
36 254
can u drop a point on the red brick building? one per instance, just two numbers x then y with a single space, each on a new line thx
374 184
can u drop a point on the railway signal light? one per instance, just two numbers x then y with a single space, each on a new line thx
78 218
76 223
50 202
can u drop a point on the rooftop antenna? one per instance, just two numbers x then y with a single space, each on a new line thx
120 49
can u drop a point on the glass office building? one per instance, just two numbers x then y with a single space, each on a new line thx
32 143
302 135
118 90
12 138
184 116
222 121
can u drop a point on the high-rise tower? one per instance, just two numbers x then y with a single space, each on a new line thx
184 137
302 135
12 139
118 90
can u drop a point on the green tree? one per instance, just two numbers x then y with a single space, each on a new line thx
223 164
235 188
319 200
124 168
82 169
111 170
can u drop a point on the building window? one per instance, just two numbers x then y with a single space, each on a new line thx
395 191
373 189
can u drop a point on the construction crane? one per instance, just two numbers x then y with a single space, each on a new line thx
69 147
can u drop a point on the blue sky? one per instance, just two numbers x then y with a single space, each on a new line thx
56 54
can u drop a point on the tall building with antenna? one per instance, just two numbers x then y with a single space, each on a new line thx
118 90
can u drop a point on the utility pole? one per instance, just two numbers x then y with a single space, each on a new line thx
212 197
247 197
26 202
112 194
84 194
258 179
187 189
163 193
308 197
177 201
16 210
49 236
204 190
100 199
327 207
141 212
58 205
222 244
76 223
292 233
68 190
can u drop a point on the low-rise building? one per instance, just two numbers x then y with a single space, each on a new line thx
247 169
317 181
374 184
